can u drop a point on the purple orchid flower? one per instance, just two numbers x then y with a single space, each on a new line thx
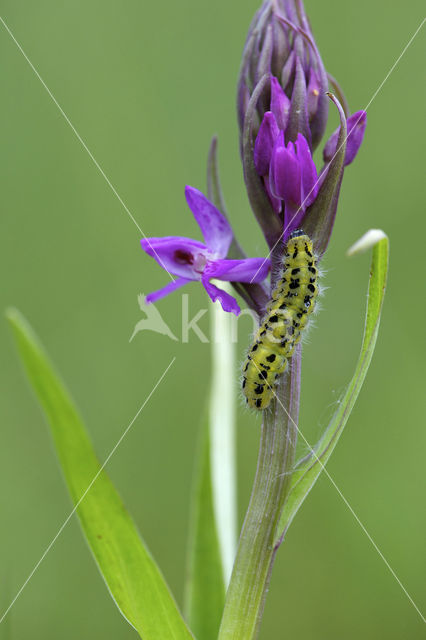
191 260
356 124
283 104
288 171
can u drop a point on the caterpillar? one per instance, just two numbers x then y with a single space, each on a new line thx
287 313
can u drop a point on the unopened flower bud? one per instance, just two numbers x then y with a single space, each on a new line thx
280 43
283 110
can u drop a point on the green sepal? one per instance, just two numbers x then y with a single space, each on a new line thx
319 219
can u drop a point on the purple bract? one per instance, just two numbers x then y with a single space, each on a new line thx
280 43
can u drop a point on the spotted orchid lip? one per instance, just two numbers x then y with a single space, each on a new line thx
200 262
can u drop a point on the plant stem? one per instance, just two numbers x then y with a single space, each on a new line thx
222 434
250 578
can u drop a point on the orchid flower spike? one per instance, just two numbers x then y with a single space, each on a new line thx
280 43
191 260
283 112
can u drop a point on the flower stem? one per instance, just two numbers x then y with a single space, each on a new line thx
222 434
251 574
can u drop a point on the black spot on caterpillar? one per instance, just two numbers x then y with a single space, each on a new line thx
292 302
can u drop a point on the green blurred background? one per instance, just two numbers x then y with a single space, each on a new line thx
146 85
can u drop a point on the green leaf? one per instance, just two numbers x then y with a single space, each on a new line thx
132 576
213 524
205 589
214 188
308 469
222 405
215 194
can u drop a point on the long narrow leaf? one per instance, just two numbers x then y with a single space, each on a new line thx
131 574
213 523
214 188
307 472
205 588
212 540
222 409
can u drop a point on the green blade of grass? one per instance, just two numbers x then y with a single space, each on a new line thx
131 574
212 538
205 587
222 403
308 470
213 515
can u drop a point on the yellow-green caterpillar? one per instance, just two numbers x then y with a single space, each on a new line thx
287 313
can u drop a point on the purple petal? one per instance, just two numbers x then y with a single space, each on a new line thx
228 302
248 270
285 177
268 133
280 104
293 216
308 170
181 256
215 228
356 124
276 202
161 293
